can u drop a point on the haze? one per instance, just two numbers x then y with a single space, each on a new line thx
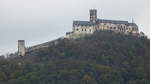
38 21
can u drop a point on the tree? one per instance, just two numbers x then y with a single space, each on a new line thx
87 79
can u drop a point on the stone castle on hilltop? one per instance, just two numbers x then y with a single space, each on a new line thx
82 28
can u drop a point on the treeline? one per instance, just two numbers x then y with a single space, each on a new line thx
103 58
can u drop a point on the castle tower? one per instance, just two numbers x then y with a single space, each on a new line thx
21 48
93 15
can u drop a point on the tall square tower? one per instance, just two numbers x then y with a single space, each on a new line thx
21 48
93 15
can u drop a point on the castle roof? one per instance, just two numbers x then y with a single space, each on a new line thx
87 23
132 24
112 21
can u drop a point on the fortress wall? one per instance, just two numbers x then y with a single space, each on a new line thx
83 29
43 45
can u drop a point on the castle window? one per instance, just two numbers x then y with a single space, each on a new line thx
85 29
77 29
90 30
82 29
120 26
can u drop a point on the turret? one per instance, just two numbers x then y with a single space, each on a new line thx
21 48
93 15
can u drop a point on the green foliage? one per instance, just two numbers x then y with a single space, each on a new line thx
103 58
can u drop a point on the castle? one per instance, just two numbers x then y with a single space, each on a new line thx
82 28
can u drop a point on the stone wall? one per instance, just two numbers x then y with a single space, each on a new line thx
78 29
82 30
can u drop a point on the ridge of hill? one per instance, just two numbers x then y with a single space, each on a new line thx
102 58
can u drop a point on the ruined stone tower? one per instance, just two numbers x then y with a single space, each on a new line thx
93 15
21 48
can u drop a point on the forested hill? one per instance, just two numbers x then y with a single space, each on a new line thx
103 58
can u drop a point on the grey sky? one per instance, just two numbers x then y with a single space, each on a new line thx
38 21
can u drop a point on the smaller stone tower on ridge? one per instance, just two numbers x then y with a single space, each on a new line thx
93 15
21 48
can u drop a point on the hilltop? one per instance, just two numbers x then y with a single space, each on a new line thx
102 58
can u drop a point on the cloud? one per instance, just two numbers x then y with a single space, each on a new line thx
38 21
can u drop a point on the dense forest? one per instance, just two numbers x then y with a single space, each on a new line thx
102 58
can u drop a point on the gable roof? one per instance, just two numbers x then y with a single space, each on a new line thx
112 21
132 24
87 23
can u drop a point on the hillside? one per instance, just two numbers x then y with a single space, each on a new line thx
103 58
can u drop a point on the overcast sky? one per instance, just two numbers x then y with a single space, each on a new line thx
38 21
